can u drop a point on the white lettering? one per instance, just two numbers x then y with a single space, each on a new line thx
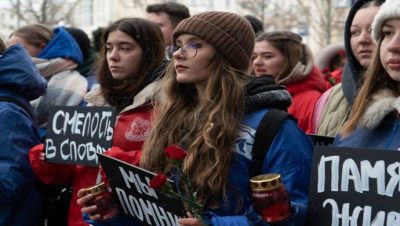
50 149
377 172
350 172
334 173
145 210
56 115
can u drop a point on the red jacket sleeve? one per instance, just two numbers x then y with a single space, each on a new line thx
50 173
131 157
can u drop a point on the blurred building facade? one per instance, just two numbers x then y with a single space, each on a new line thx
305 17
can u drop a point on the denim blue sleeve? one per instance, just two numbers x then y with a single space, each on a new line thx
290 155
18 135
337 140
119 220
252 218
214 220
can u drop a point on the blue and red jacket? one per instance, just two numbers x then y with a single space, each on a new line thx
289 155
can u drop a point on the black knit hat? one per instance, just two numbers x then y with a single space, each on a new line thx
230 34
82 39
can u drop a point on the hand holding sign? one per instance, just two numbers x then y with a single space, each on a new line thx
130 186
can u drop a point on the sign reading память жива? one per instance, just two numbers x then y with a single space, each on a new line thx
351 186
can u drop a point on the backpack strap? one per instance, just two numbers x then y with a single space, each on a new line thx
265 134
19 103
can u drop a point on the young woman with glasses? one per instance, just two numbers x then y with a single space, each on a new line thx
203 110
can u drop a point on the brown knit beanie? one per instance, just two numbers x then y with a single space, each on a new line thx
230 34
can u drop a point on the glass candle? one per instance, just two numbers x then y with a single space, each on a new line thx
270 198
103 199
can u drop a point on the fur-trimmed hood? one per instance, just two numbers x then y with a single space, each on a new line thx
382 103
353 70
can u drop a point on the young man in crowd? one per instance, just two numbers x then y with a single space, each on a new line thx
167 15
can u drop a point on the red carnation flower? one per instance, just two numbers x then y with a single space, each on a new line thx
158 181
175 152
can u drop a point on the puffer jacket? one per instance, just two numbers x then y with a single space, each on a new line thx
379 127
305 94
21 202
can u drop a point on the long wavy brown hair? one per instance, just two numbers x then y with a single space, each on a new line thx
120 93
376 78
206 127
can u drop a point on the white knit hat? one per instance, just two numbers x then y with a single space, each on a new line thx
389 10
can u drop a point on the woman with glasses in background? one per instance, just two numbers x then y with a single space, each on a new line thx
204 111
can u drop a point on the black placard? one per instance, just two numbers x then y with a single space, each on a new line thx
319 140
76 134
130 185
354 187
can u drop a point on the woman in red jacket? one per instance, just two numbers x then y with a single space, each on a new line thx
282 55
127 75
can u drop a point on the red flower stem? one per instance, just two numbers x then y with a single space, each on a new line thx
194 206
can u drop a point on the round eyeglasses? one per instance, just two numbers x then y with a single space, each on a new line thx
188 51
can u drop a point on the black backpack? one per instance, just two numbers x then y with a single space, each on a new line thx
265 134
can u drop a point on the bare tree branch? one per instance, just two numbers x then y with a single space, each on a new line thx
48 12
256 7
134 3
318 16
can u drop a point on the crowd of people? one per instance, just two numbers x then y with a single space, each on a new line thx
203 82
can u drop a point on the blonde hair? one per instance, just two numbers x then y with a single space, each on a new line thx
376 78
207 127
